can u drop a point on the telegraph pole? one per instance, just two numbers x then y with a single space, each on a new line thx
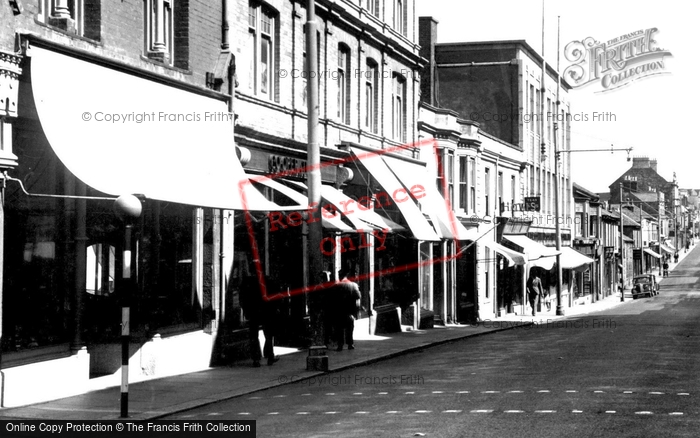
622 248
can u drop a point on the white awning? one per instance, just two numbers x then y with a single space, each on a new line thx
355 213
330 220
513 257
572 259
419 226
414 175
652 253
667 247
537 254
123 134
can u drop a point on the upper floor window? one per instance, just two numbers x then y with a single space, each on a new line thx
261 49
487 191
159 30
400 16
450 177
343 82
81 17
398 108
372 6
472 185
463 178
371 95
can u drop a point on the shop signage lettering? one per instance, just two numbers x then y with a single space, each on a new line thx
279 166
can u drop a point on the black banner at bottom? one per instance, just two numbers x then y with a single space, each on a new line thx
126 428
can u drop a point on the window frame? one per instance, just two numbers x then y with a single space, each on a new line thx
343 84
398 107
262 29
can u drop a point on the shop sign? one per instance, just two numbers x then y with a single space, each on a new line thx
532 203
281 166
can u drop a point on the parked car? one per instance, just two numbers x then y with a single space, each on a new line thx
645 285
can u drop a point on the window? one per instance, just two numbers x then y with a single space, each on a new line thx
372 6
441 172
472 184
512 191
400 16
487 189
463 175
343 82
261 47
100 269
159 34
398 102
304 91
500 192
81 17
450 177
371 95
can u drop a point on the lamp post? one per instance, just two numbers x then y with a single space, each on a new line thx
128 208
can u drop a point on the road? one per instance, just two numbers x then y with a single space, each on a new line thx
628 371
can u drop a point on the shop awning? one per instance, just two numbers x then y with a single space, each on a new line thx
329 219
537 254
123 134
513 257
652 253
667 248
572 259
359 216
412 175
417 223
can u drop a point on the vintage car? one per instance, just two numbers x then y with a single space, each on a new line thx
645 285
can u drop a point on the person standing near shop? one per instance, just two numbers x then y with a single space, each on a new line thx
534 290
261 312
348 300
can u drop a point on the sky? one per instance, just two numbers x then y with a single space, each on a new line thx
656 116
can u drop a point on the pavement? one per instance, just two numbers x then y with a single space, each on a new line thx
156 398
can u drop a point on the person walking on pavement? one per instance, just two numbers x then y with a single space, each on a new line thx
665 267
534 290
261 313
348 300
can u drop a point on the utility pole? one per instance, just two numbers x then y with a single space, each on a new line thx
622 249
557 211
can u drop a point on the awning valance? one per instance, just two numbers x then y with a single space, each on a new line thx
440 211
123 134
572 259
330 220
537 254
652 253
667 248
417 223
513 257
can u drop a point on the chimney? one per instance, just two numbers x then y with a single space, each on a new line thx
640 162
427 38
652 164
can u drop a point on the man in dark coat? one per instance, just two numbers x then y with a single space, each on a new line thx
260 312
348 307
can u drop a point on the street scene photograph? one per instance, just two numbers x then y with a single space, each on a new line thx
348 218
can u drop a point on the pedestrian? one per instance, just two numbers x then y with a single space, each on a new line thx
675 258
534 290
329 307
665 267
348 307
260 312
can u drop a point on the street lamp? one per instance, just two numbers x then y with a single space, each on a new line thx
127 208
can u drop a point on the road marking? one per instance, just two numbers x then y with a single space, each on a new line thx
330 393
683 393
610 412
490 392
644 413
214 413
545 412
243 413
392 412
544 390
462 392
331 412
273 413
437 392
571 390
421 411
513 411
675 413
356 393
302 413
382 393
254 398
482 411
187 416
599 392
627 392
409 392
306 395
362 412
575 411
515 392
452 411
656 393
280 396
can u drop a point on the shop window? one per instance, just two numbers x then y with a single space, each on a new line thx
262 41
82 17
100 269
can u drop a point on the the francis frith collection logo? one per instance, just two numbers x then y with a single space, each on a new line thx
616 62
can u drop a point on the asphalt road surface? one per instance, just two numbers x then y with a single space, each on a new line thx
629 371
